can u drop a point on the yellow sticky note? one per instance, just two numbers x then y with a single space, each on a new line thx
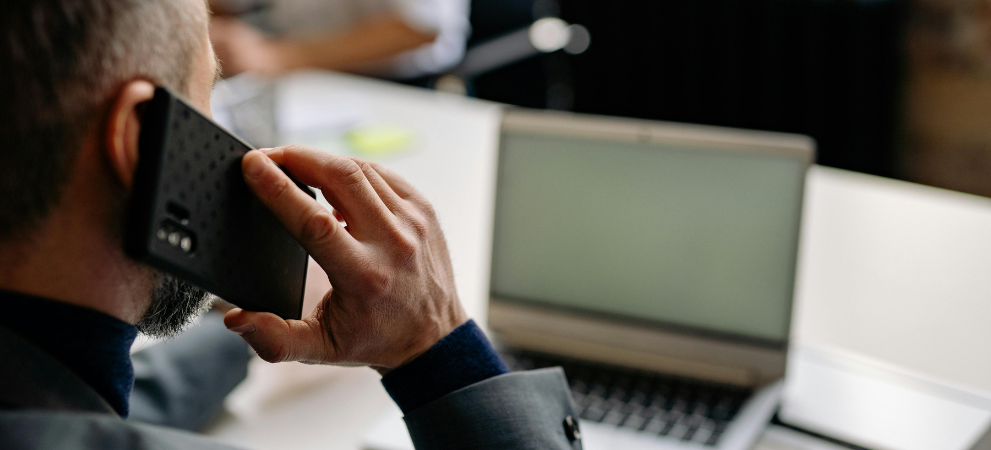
378 141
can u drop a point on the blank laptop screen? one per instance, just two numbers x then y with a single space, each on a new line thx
696 238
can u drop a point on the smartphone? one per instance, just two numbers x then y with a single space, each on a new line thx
192 215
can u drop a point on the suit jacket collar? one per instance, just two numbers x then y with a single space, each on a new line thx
32 379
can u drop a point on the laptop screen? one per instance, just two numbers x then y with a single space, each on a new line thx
688 237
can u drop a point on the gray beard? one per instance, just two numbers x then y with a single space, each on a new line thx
174 305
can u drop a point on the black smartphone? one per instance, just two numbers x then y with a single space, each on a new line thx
192 215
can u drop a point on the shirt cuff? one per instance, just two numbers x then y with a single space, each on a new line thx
459 360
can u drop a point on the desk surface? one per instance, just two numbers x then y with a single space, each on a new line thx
875 253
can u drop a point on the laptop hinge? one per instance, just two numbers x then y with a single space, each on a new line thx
634 346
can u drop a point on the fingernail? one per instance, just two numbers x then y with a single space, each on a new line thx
255 166
244 330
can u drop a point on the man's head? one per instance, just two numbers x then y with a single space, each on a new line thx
76 73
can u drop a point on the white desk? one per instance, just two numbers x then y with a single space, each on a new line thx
893 270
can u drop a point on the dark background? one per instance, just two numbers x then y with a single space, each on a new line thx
830 69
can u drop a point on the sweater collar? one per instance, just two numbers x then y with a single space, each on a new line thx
93 345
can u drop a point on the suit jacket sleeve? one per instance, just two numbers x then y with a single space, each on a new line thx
182 383
519 410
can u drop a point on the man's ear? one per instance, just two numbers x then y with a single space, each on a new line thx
123 128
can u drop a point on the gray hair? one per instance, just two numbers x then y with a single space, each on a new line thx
63 61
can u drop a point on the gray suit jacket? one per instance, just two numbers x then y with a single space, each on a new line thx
181 384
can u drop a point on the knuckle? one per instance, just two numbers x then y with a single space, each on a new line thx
377 166
365 166
320 226
377 282
419 227
281 188
406 248
427 209
348 172
293 148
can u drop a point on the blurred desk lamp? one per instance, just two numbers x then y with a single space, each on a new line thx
546 35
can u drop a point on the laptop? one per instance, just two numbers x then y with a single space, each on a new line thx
654 262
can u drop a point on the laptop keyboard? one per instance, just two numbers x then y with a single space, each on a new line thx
675 407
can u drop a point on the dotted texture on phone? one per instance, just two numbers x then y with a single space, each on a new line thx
240 253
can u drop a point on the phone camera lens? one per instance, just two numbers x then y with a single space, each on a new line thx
174 238
162 234
186 244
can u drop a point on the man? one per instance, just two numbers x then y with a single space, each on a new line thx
77 73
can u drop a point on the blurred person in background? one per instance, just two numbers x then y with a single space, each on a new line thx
394 39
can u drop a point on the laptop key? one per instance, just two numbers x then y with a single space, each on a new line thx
650 412
630 408
655 426
708 424
667 429
680 405
720 412
699 409
593 413
721 425
614 418
693 421
634 422
610 405
589 400
678 431
671 416
639 398
577 397
619 394
659 401
598 389
689 434
578 386
713 439
702 435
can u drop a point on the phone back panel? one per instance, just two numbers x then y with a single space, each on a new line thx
193 216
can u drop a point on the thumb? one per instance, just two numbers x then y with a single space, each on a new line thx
278 340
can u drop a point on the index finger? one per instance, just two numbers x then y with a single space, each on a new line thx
342 181
306 220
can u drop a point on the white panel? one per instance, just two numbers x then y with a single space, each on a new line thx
876 408
899 272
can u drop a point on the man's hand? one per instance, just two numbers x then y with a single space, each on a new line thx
392 295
